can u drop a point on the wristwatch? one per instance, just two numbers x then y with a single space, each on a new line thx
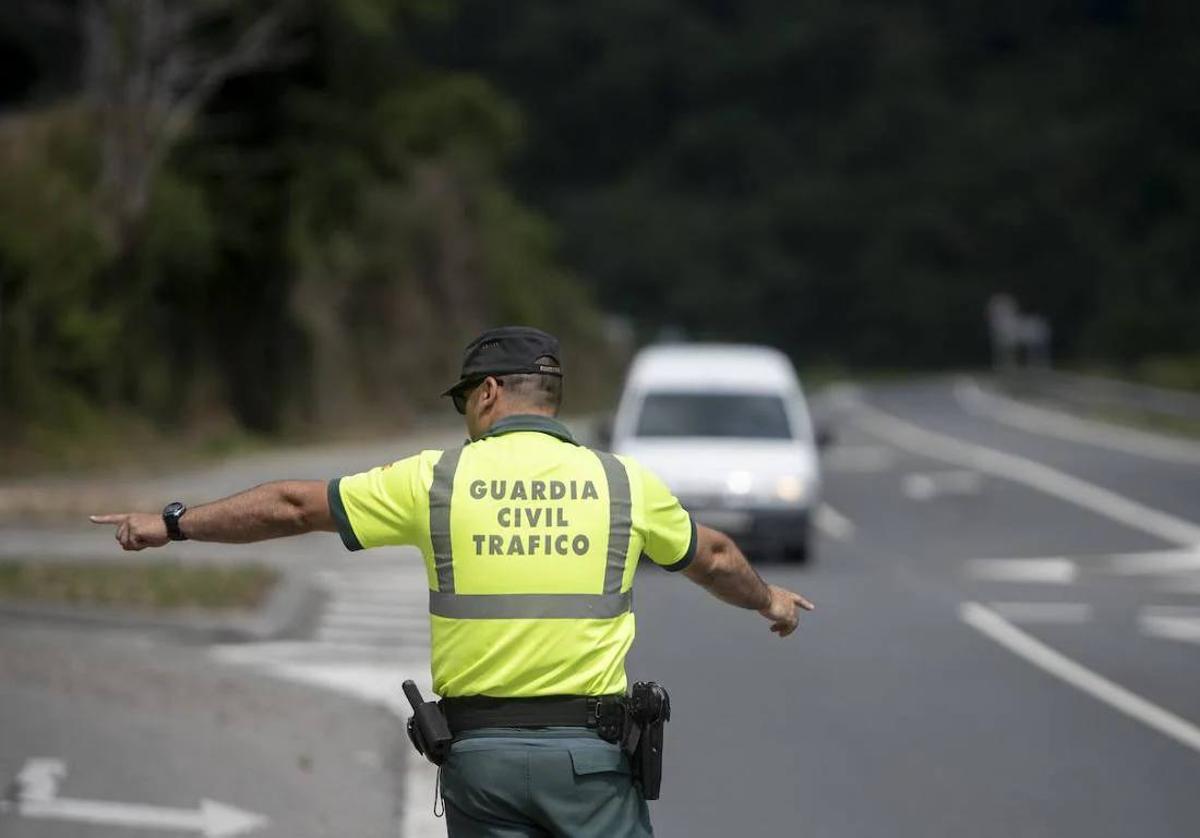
172 512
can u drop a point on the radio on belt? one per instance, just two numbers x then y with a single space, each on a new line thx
427 728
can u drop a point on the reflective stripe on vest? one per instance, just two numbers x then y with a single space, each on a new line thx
439 517
445 602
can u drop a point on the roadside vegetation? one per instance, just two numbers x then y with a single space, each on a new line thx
252 219
265 219
132 585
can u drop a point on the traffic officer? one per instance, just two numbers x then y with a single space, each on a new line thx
531 542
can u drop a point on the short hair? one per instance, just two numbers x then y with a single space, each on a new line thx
536 389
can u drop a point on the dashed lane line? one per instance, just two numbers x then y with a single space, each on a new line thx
1054 613
924 486
1155 563
1019 469
858 459
1171 622
1053 571
993 626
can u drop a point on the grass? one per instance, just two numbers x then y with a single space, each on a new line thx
144 586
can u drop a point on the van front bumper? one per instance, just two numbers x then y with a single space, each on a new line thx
760 531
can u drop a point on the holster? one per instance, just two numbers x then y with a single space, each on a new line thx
648 711
427 728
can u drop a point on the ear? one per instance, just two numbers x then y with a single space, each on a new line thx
489 392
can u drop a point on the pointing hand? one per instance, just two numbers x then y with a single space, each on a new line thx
136 530
783 610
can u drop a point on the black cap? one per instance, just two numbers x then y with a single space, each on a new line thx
508 350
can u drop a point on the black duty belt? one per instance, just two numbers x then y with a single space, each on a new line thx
604 714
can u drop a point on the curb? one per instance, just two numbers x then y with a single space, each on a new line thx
290 610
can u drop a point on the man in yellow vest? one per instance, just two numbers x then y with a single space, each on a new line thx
531 542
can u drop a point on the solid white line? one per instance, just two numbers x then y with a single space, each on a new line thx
1021 470
1018 642
1067 613
833 523
1039 420
1046 571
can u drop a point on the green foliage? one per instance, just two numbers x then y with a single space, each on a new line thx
57 329
317 249
852 181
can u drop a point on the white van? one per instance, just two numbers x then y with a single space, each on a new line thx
728 429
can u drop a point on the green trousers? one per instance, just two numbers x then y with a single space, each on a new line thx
548 782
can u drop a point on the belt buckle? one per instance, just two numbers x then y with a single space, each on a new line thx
608 717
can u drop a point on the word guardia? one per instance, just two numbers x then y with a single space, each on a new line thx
546 518
534 490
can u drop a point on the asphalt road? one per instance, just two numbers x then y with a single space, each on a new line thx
139 727
892 715
1006 644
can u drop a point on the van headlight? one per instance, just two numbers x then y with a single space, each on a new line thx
790 489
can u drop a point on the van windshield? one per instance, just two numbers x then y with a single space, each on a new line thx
738 415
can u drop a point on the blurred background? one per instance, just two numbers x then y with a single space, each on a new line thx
248 239
285 216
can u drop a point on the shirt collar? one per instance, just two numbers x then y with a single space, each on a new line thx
530 422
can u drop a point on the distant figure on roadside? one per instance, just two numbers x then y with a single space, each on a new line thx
1016 337
531 542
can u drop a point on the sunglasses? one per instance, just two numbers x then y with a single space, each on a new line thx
459 397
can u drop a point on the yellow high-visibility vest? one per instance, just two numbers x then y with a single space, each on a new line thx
530 544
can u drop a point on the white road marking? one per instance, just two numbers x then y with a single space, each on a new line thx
1045 571
1022 470
1171 628
1067 613
39 778
373 634
930 485
858 459
1040 420
995 627
211 819
833 523
1159 562
1172 622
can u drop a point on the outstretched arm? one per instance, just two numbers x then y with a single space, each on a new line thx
272 510
720 568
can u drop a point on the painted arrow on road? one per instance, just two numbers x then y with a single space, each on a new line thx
36 788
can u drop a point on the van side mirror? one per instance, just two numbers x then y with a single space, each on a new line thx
824 436
604 431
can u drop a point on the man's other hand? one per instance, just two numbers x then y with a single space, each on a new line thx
783 612
136 530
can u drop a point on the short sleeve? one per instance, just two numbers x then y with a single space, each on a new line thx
670 532
385 505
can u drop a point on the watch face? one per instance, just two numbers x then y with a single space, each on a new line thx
173 509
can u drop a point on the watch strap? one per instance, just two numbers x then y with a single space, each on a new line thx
171 515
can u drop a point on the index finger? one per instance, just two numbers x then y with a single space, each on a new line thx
802 602
111 518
